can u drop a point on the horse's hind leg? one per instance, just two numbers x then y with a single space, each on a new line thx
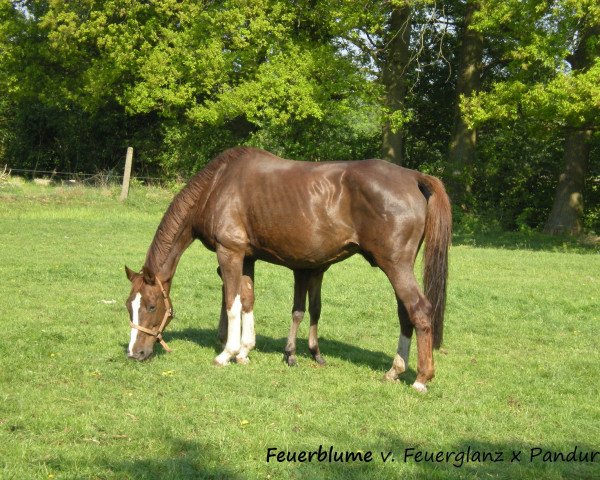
406 332
247 297
400 364
314 308
305 281
418 309
300 288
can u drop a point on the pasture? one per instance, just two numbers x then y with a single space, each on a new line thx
519 370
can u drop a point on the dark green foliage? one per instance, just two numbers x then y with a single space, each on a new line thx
518 178
181 81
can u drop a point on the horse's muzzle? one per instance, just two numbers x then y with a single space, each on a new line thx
139 356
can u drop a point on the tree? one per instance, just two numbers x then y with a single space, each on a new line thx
489 89
462 150
184 80
394 64
567 210
550 82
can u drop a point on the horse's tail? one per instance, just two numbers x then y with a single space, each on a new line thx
438 236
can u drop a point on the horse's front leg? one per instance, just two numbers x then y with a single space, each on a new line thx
223 318
247 298
248 340
231 264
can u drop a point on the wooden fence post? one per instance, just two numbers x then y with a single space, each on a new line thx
126 174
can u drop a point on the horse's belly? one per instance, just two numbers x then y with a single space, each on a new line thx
305 248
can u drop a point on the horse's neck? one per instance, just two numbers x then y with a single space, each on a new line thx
173 237
174 234
165 263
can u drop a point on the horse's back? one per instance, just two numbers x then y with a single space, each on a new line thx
255 166
310 213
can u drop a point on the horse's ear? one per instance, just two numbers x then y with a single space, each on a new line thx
130 273
148 276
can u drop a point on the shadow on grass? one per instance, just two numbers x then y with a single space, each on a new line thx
378 361
391 457
534 241
469 459
187 460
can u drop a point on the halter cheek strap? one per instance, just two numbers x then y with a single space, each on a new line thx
165 321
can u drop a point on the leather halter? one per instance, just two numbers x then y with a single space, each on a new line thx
165 321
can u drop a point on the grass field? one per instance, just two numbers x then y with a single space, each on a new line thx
520 368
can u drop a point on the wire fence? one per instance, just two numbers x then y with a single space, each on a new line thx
100 178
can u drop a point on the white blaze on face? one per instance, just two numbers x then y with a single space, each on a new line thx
135 319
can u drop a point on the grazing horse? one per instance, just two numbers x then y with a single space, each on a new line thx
249 205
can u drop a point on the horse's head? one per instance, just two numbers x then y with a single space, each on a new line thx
150 311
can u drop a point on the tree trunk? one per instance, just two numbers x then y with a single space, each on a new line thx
395 61
462 151
567 209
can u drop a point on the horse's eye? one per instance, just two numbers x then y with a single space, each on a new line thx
151 308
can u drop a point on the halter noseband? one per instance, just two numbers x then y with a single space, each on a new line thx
165 321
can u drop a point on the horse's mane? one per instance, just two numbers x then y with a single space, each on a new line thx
181 210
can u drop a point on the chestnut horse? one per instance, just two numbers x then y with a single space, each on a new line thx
249 205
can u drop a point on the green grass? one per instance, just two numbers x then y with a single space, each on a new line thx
520 368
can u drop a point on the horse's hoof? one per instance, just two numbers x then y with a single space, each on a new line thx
242 360
390 376
419 387
220 362
320 361
291 361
